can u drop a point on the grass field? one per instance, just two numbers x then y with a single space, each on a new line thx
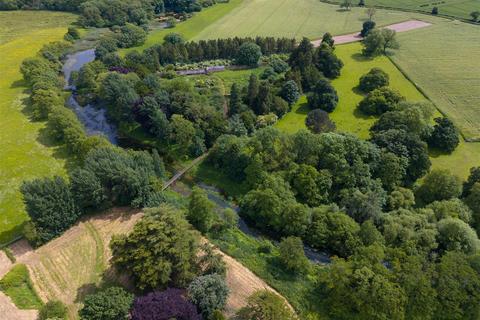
23 155
453 8
347 119
293 18
17 285
443 60
191 27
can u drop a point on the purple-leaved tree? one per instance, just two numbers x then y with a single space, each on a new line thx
165 305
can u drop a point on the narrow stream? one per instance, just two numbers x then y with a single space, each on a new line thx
214 196
94 119
96 123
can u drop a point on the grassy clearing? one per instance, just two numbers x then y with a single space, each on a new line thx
24 153
443 60
345 116
239 77
17 285
454 8
348 119
293 18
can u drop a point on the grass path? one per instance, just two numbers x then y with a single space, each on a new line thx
24 154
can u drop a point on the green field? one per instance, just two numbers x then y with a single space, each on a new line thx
443 60
24 154
293 18
454 8
17 285
347 119
345 115
191 27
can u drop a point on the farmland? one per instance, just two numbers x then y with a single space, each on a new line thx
24 154
290 18
443 62
453 8
347 119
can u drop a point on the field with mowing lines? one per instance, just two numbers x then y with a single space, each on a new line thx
191 27
294 18
444 61
24 154
453 8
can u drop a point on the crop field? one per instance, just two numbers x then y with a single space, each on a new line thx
453 8
444 62
294 18
24 154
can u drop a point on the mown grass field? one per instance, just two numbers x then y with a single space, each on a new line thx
191 27
444 61
24 154
348 119
293 18
18 286
454 8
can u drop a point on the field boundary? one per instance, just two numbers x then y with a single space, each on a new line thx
441 15
405 74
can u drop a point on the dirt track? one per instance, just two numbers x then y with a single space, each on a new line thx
398 27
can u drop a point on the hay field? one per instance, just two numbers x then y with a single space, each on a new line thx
445 62
24 154
294 18
453 8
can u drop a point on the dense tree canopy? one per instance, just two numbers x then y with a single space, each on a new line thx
160 251
113 303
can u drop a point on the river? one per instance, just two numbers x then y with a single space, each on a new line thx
96 122
93 119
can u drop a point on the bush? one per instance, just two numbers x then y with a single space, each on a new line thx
435 10
323 96
290 92
380 101
444 135
53 310
318 121
208 293
113 303
174 38
167 305
278 65
374 79
366 27
265 305
292 255
248 54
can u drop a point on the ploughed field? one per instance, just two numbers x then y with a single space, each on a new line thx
24 154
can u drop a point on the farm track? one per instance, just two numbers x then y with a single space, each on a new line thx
398 27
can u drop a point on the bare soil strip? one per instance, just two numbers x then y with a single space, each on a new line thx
398 27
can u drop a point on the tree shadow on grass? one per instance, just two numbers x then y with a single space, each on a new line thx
360 57
435 152
19 84
303 109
